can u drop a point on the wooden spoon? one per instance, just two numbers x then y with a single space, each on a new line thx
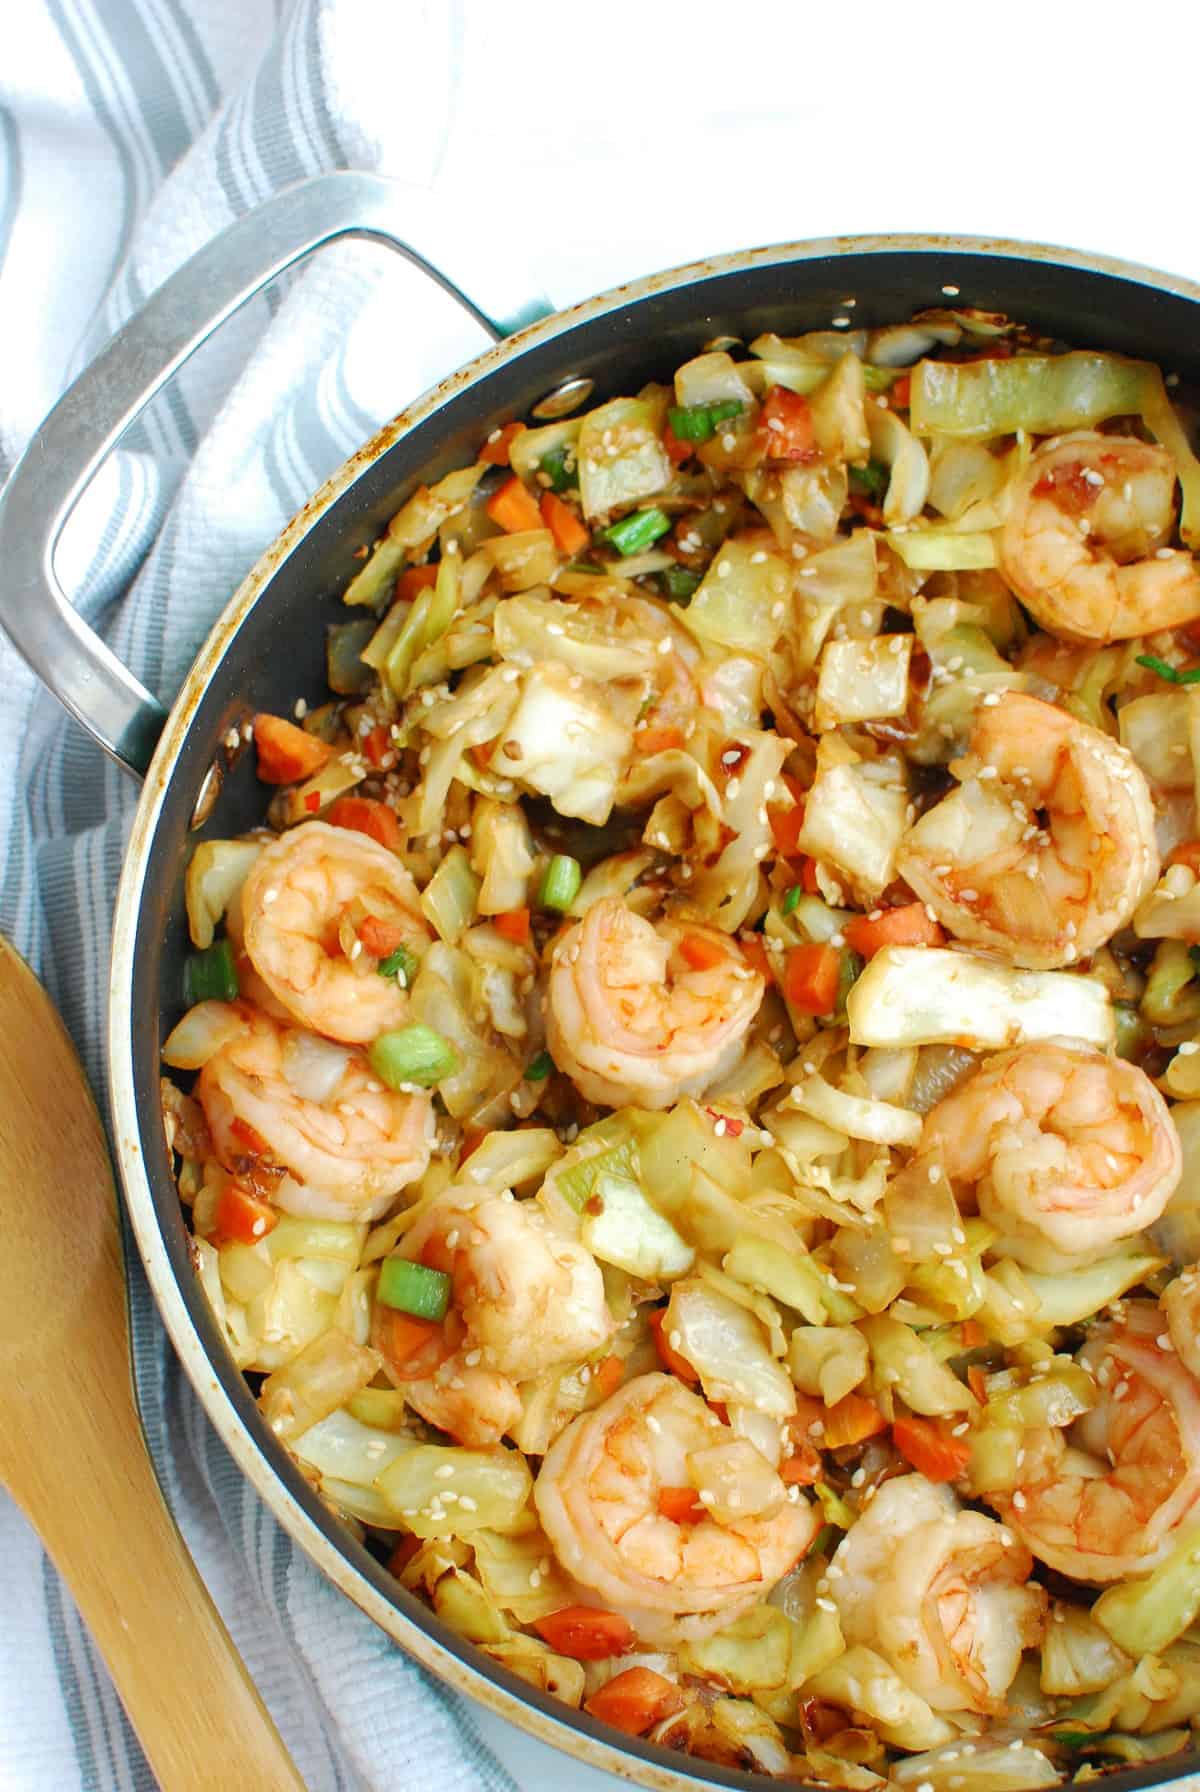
72 1453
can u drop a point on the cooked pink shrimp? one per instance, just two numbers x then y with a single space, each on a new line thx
308 898
644 1013
293 1103
1065 1150
1180 1301
597 1497
940 1592
1084 546
1144 1436
1047 846
526 1298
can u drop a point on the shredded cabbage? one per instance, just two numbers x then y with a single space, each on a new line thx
927 995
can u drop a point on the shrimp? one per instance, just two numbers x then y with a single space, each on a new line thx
1115 1511
629 1016
598 1499
1084 546
526 1298
1047 846
307 897
1181 1303
940 1592
313 1121
1066 1150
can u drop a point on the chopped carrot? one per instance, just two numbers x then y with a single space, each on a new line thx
810 978
482 754
785 426
852 1421
907 926
403 1335
286 753
701 952
668 1356
977 1382
635 1701
241 1218
808 877
677 449
586 1634
513 925
786 824
249 1137
801 1468
755 953
415 579
402 1555
364 815
570 535
900 395
472 1139
972 1334
680 1505
514 508
932 1453
377 745
608 1375
495 449
1186 853
657 740
379 937
312 802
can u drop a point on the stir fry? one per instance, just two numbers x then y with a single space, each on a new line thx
690 1103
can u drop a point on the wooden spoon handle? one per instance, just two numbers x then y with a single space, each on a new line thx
196 1712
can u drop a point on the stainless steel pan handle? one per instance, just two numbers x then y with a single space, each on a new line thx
94 413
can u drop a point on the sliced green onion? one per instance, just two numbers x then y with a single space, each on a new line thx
879 379
637 531
698 422
679 584
209 976
400 964
850 968
560 886
1194 955
792 898
413 1054
554 466
540 1068
825 1541
411 1288
1152 663
870 481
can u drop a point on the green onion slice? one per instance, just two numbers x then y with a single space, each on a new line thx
411 1288
414 1054
1172 674
540 1068
560 886
679 584
791 899
554 466
400 964
699 422
210 976
637 531
870 481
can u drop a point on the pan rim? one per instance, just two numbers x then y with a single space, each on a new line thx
573 1732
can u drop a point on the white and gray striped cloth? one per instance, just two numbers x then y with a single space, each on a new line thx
612 143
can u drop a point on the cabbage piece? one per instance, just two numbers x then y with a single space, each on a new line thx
729 889
216 872
326 1374
615 876
862 1682
898 449
565 742
449 898
1170 912
734 1481
751 1655
1177 1230
750 1734
529 447
855 1115
520 1573
621 455
619 1226
794 1277
514 1159
460 1602
932 548
202 1032
1158 731
855 817
537 627
1058 1394
501 854
1010 1310
865 1262
863 680
839 412
446 996
728 1349
526 558
289 1314
921 1214
828 1361
1142 1616
742 600
1071 1296
901 345
411 529
1077 1655
555 1674
928 995
964 475
903 1361
490 1489
346 1449
672 1146
711 379
610 1147
1000 1766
